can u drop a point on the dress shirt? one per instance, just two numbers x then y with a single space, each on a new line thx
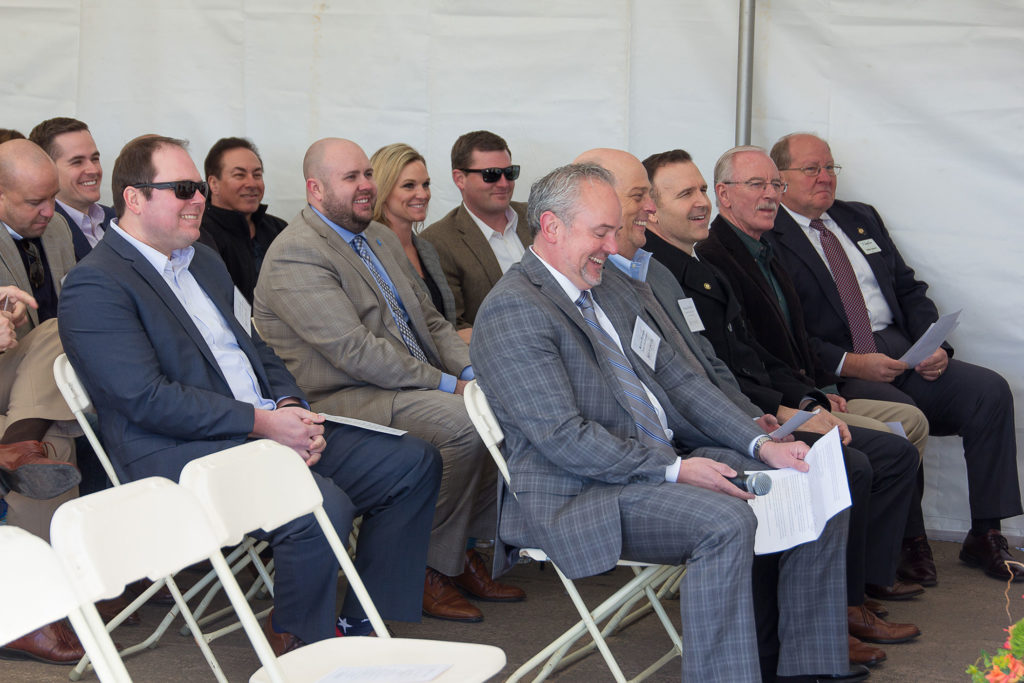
506 245
231 360
879 312
635 268
91 224
448 382
762 253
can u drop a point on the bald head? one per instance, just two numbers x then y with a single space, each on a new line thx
28 186
634 192
339 182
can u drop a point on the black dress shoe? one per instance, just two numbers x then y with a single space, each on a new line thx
856 672
898 591
917 565
991 552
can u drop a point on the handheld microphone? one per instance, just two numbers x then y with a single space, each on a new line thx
757 483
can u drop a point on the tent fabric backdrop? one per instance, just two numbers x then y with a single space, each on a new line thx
921 101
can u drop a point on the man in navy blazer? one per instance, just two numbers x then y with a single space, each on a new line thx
147 321
956 397
69 143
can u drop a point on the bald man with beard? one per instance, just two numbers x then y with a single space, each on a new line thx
336 300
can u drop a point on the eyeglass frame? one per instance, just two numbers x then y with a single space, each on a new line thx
511 173
806 170
778 185
196 185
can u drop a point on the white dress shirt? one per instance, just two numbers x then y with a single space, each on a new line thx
506 245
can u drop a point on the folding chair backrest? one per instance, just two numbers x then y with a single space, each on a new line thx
486 424
79 402
146 528
257 485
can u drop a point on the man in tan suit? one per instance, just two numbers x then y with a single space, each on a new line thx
335 300
479 239
35 253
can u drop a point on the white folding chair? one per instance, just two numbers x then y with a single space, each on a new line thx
650 581
34 591
78 401
280 488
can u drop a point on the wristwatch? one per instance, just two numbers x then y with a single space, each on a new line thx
761 441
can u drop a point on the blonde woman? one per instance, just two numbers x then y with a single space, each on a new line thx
403 195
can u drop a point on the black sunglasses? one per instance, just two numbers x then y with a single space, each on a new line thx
183 189
491 175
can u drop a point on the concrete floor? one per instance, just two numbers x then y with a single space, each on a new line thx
963 615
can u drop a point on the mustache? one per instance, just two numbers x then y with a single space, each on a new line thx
770 204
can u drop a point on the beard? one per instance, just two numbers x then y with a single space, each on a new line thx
340 212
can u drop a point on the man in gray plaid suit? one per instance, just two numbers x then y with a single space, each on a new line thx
595 470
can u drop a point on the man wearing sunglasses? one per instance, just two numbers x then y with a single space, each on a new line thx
35 253
148 323
864 308
482 237
69 143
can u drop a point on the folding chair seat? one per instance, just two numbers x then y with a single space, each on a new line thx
34 591
651 583
78 401
280 489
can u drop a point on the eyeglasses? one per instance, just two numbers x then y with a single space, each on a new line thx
35 263
812 171
492 175
183 189
759 185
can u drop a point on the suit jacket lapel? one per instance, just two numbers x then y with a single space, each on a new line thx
55 251
848 223
789 234
12 262
477 245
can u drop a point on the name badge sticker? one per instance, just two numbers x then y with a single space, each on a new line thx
645 342
689 311
868 246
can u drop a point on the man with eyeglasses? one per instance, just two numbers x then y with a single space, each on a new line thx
71 146
148 322
482 237
864 308
337 302
35 253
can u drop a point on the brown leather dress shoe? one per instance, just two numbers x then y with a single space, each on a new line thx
442 600
991 552
863 624
280 643
54 643
897 591
862 653
876 607
917 565
477 581
109 609
26 469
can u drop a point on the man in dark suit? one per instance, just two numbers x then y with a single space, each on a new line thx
479 239
864 308
69 143
595 474
236 223
147 322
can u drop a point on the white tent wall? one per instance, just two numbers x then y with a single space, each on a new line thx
922 102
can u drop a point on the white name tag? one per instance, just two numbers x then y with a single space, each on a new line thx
243 312
868 246
689 310
645 342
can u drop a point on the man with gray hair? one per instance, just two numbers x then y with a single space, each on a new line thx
618 453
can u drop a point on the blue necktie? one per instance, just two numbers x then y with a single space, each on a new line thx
646 417
359 244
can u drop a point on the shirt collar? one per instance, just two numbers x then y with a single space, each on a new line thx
759 249
180 258
571 290
635 268
346 235
95 214
511 218
802 220
10 231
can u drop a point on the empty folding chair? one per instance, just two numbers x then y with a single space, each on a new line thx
34 591
78 401
650 581
279 489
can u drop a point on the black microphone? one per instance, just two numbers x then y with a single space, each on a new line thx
757 483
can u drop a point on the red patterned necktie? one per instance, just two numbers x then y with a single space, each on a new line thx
849 290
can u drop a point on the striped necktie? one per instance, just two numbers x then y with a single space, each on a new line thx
359 244
646 417
849 289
